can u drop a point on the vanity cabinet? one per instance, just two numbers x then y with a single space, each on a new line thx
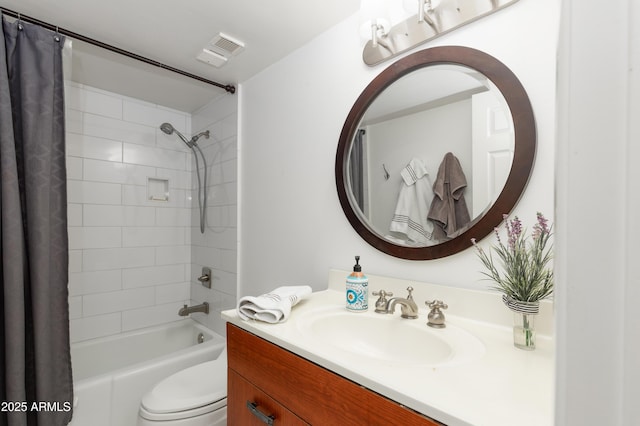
296 391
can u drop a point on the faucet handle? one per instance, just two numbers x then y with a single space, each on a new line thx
436 304
409 289
381 303
436 317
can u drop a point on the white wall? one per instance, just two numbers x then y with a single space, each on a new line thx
598 197
293 229
129 256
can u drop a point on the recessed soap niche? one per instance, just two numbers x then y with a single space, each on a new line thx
158 189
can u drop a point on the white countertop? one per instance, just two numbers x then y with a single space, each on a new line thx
505 386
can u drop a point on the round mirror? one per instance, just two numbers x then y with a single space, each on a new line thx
434 152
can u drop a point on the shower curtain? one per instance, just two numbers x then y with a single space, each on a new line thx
35 365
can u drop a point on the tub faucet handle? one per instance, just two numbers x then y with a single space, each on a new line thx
205 278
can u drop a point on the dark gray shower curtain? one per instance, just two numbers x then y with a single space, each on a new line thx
35 365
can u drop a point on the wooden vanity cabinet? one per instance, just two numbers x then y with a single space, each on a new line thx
297 392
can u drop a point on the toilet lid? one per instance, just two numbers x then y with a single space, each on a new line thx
191 388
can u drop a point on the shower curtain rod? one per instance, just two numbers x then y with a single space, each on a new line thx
228 87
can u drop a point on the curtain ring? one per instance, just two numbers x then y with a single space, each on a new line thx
19 23
56 36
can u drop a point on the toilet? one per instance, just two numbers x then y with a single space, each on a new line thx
196 396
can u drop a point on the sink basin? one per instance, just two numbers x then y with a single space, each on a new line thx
383 337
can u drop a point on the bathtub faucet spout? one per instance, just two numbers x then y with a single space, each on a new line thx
186 310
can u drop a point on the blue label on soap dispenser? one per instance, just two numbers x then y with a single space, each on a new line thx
357 294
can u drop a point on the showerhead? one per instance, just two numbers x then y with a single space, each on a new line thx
199 135
169 129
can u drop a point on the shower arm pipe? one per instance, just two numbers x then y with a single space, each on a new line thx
227 87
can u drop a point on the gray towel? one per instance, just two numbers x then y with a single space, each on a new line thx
448 208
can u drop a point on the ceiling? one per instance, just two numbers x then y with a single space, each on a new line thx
173 33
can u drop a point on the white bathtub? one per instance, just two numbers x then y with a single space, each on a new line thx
111 374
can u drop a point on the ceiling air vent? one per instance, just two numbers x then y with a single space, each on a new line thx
225 45
211 58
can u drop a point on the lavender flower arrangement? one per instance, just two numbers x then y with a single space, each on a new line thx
525 276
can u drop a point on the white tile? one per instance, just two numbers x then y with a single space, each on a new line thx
125 131
74 168
206 256
139 216
93 147
103 215
75 261
93 192
150 115
173 217
81 283
146 317
172 142
154 275
108 171
91 327
222 216
170 255
136 195
229 261
177 178
94 102
75 307
116 258
74 214
155 157
94 237
73 120
229 171
215 111
152 236
229 149
225 282
115 301
172 293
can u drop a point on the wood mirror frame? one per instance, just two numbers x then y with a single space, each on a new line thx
523 157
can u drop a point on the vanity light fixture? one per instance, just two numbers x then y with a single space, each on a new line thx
375 22
432 19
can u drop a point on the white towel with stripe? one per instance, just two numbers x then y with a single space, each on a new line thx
272 307
410 216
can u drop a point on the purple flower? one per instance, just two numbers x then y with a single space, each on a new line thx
513 231
541 227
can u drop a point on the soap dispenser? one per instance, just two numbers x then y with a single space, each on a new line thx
357 289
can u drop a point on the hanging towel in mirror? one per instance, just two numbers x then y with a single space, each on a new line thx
410 216
272 307
448 208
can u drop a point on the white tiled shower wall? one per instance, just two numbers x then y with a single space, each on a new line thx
217 247
130 262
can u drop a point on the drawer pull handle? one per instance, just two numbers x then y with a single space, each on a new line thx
253 407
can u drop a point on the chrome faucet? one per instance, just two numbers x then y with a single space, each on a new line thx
186 310
409 308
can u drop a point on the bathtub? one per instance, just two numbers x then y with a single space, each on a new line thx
111 374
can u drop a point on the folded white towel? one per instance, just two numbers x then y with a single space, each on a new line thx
272 307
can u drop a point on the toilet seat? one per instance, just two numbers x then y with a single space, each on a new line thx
194 391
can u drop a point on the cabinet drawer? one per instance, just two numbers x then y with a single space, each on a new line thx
242 393
313 393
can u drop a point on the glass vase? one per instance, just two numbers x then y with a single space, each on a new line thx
524 331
